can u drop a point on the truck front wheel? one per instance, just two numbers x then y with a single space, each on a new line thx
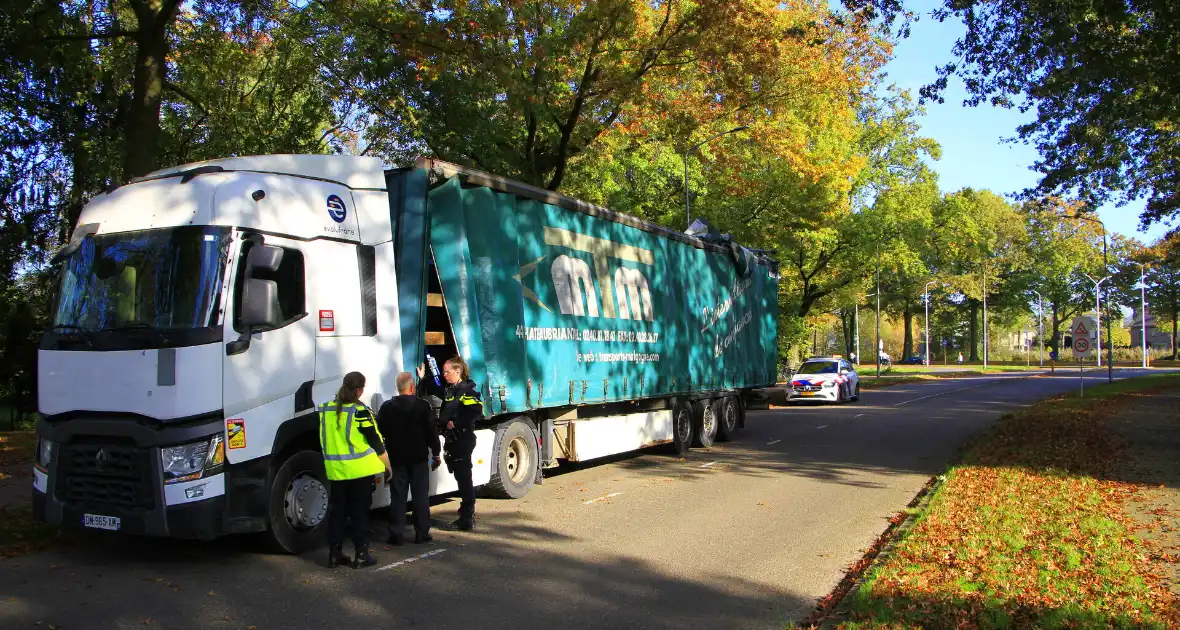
514 469
298 508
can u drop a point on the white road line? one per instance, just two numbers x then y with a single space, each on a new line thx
421 556
613 494
858 415
906 402
707 465
772 442
823 427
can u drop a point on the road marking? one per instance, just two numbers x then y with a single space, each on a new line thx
773 442
858 415
707 465
421 556
906 402
823 427
603 498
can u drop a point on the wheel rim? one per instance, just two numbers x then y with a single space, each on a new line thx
708 422
305 503
518 459
683 426
730 417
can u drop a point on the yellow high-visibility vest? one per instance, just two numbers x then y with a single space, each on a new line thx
346 453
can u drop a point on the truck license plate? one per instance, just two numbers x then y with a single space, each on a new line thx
110 523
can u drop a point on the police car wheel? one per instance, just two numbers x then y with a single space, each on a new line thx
298 503
514 467
681 427
705 419
727 414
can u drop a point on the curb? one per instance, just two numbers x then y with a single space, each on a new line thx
831 610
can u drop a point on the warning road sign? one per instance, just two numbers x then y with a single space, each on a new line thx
1081 329
1083 326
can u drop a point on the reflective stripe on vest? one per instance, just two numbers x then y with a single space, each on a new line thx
464 399
353 459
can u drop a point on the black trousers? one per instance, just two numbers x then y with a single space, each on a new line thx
459 461
349 504
416 479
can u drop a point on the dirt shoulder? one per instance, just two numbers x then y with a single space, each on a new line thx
1147 433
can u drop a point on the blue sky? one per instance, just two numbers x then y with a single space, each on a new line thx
974 152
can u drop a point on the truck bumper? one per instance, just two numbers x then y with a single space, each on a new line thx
130 487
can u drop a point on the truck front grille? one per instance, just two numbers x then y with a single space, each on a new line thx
105 474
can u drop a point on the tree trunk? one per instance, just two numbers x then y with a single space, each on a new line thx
847 326
1056 333
141 133
907 345
973 336
1175 311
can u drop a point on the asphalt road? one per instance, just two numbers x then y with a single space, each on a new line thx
748 534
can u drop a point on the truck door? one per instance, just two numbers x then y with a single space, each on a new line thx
267 379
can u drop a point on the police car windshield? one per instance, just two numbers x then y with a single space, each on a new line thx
818 367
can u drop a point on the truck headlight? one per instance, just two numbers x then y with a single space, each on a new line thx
186 462
44 453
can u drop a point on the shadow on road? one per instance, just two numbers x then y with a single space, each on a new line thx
489 579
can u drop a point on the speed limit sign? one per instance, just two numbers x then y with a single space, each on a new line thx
1082 347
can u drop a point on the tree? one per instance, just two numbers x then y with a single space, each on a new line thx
1163 280
980 240
1059 249
523 88
1101 77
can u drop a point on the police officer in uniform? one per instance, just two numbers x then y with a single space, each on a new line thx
354 459
461 409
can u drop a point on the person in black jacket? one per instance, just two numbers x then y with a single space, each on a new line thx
461 409
407 424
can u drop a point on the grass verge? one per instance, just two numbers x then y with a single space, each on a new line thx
1026 532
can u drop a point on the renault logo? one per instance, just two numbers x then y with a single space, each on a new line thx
100 459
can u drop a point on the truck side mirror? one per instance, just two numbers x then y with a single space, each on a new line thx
260 304
260 297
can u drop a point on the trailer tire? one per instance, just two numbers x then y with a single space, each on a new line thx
298 506
682 421
728 416
705 421
516 456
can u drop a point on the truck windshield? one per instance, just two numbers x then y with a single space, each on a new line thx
143 289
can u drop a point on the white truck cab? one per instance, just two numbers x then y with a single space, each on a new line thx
202 310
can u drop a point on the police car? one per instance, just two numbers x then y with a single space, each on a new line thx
826 379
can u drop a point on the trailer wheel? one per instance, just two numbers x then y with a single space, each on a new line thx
298 507
705 416
681 427
514 469
728 415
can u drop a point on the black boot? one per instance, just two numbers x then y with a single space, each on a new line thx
396 540
336 557
462 525
363 558
420 538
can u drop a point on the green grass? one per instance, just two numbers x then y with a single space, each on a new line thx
1025 532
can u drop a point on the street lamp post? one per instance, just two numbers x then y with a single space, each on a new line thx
985 318
926 291
687 152
878 311
1098 314
1041 325
1143 310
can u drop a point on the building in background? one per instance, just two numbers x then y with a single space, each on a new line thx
1156 339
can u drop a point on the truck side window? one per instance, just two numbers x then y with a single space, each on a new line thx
290 280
